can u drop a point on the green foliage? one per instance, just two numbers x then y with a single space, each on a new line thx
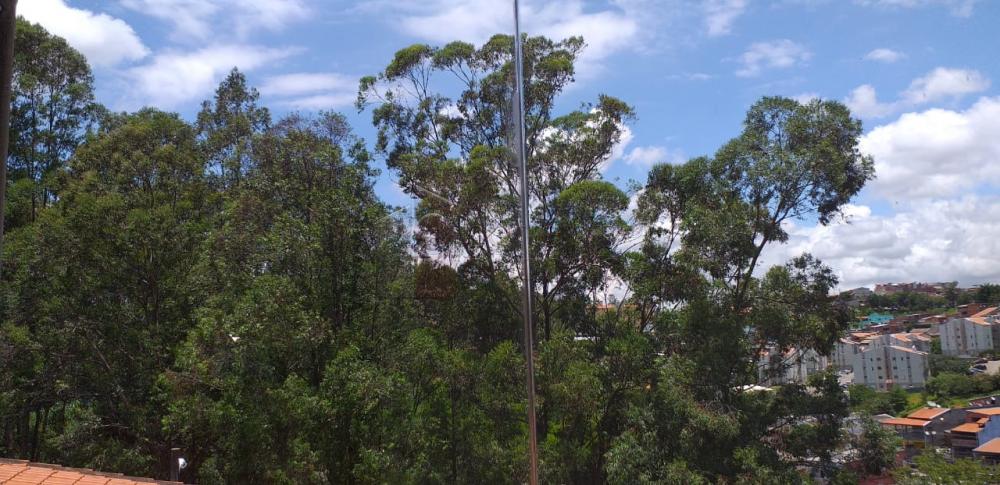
52 109
908 301
954 385
934 468
236 288
868 401
988 294
945 363
875 447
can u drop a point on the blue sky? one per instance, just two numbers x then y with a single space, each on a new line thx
921 74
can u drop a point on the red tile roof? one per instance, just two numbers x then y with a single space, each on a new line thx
986 411
17 472
991 447
906 422
927 413
967 428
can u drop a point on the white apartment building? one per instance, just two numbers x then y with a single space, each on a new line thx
969 336
844 352
891 361
792 366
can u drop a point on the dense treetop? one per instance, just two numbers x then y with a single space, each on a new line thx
234 287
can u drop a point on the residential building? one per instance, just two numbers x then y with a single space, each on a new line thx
844 352
972 335
970 309
892 360
989 452
980 427
792 366
926 426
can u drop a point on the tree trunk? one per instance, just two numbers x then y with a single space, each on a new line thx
7 28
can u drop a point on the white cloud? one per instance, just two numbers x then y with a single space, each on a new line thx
720 15
317 102
606 31
196 20
647 156
173 78
944 83
883 54
306 83
932 240
775 54
103 39
863 102
936 153
313 91
958 8
941 84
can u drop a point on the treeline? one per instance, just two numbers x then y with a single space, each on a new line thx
234 287
987 294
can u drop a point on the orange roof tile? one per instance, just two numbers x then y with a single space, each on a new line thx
905 422
991 447
986 312
986 411
966 428
18 472
927 413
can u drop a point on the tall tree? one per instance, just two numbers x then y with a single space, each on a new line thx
227 126
53 108
452 150
101 297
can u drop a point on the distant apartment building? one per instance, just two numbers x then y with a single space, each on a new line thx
933 289
793 366
845 351
972 335
893 360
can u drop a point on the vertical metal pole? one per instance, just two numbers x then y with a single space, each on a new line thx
529 332
8 26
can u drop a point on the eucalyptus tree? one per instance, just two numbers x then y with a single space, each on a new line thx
52 109
444 127
717 314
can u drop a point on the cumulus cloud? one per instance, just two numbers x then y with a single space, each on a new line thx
937 153
103 39
173 78
720 15
883 54
941 84
606 31
931 240
312 91
196 20
775 54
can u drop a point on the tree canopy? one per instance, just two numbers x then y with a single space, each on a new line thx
235 287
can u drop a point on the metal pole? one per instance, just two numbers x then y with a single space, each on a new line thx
529 332
8 25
